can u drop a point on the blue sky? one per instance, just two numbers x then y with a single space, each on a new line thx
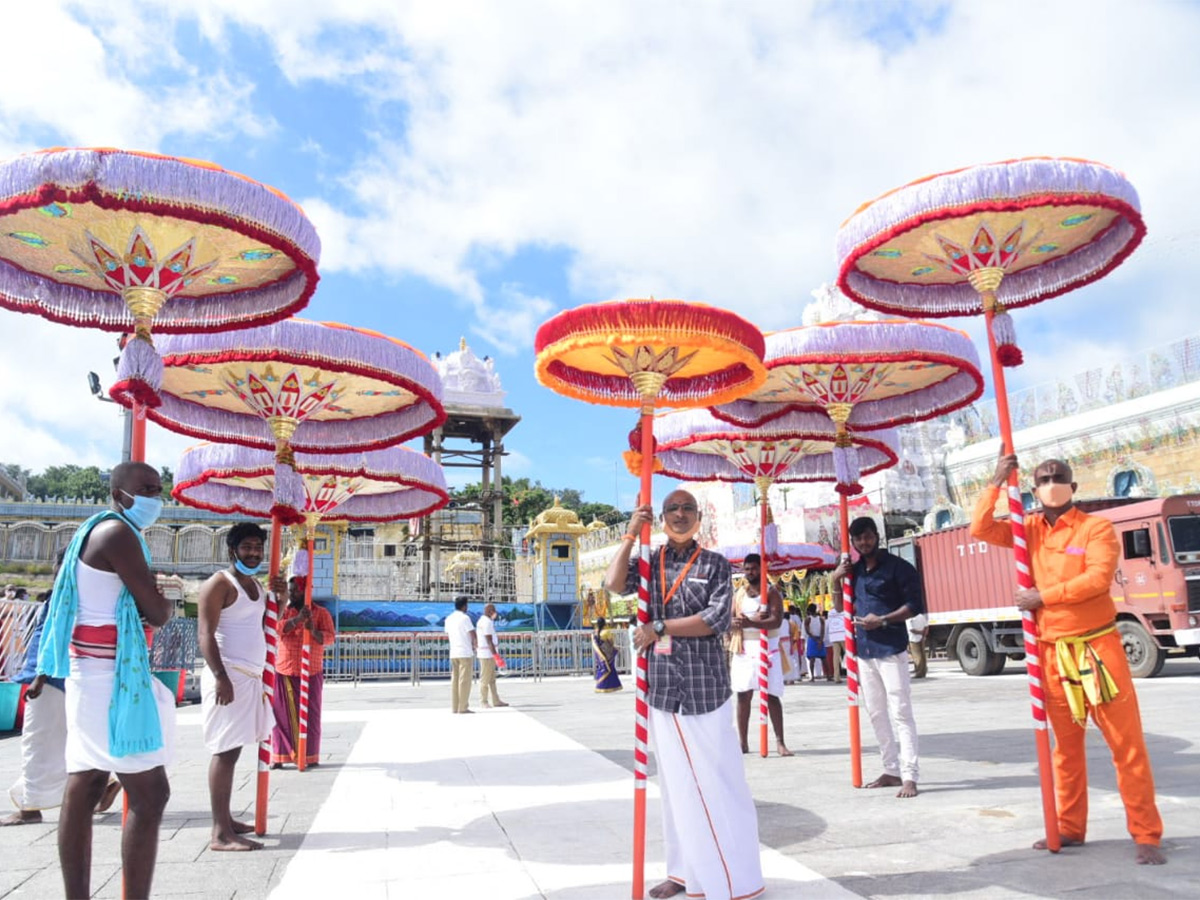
473 168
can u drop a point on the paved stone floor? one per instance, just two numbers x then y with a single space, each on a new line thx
533 801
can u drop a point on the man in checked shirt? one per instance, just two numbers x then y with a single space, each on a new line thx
710 827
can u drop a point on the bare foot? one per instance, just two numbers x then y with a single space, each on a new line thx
1064 841
745 749
666 889
22 817
1149 855
885 780
109 796
908 789
498 705
242 827
784 751
466 710
234 843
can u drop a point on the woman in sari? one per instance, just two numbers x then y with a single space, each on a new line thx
605 652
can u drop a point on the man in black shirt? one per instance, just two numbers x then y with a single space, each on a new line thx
887 591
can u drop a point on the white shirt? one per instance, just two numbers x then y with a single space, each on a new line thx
483 628
459 628
916 624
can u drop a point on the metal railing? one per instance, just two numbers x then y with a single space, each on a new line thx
416 655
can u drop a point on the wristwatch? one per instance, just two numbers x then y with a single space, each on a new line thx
659 626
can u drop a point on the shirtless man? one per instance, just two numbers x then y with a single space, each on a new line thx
105 558
234 645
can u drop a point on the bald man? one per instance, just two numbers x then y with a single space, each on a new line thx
710 827
119 718
487 651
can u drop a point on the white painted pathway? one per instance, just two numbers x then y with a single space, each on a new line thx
494 805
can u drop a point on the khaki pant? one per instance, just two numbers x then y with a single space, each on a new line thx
487 683
835 663
460 683
916 650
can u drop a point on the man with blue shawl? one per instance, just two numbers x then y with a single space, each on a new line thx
119 718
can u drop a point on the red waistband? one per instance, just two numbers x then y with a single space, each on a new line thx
99 641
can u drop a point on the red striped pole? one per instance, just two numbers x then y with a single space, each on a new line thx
856 778
763 648
305 663
1016 509
641 707
271 627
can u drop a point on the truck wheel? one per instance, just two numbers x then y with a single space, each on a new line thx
973 654
998 663
1145 657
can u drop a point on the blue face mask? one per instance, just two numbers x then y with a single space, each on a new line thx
144 512
245 569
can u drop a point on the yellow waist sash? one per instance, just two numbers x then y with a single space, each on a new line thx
1083 674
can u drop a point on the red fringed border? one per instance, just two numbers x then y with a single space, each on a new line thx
136 390
849 490
91 193
285 514
1015 205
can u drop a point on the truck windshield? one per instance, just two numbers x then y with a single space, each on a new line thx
1185 535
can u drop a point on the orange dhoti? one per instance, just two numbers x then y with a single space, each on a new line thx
1120 722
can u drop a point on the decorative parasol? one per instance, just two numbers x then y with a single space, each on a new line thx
296 385
640 353
986 239
802 445
134 242
864 375
780 557
374 486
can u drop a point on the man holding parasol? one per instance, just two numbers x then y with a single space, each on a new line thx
887 591
1074 559
758 621
710 827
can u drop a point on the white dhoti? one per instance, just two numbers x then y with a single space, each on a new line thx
743 670
43 752
710 826
246 720
88 694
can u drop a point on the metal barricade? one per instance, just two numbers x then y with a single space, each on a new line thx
16 627
175 646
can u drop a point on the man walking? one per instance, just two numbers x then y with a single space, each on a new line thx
887 591
119 718
1074 557
230 629
758 621
461 633
710 827
485 635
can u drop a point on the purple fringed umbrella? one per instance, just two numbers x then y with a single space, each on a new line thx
778 557
297 386
985 239
128 241
694 445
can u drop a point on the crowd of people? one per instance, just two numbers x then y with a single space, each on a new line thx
97 712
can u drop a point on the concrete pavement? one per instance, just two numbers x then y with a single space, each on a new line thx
534 801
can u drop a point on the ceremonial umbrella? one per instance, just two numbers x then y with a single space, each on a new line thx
373 486
986 239
130 242
802 445
295 384
865 375
780 556
640 353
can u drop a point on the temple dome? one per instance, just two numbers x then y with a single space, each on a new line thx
467 379
556 520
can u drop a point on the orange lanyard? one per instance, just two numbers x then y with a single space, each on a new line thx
662 575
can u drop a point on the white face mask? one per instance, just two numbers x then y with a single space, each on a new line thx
1055 496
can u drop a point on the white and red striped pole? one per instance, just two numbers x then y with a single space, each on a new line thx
986 281
764 659
851 655
305 669
271 628
641 706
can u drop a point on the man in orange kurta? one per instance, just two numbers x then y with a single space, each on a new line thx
1074 557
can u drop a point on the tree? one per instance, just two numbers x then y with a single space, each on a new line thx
523 500
69 481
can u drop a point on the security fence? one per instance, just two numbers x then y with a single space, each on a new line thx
416 655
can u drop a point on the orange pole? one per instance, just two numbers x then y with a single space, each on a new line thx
856 778
641 708
763 652
1033 664
137 445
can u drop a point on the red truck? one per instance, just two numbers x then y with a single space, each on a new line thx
969 586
